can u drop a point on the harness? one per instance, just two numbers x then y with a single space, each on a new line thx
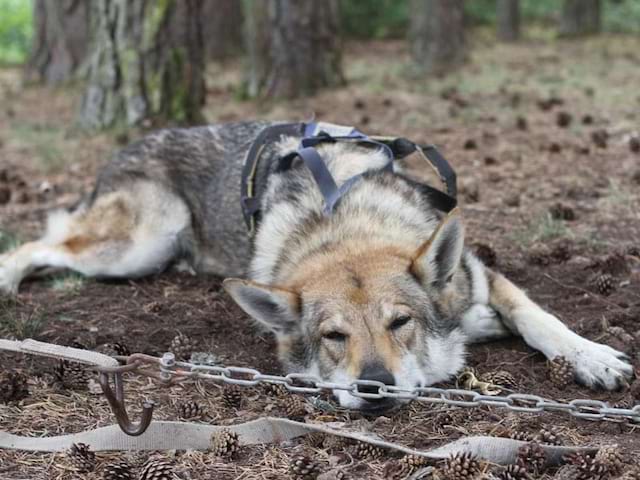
312 135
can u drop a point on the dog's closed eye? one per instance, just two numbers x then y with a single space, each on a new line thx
335 336
399 322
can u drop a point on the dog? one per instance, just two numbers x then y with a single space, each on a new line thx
380 289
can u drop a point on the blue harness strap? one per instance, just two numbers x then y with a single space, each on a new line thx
318 168
313 134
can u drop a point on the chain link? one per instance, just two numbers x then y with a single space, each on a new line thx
172 371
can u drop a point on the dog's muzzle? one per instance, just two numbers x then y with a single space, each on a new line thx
376 373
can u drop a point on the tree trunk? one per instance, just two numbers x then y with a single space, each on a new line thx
508 20
580 17
293 47
60 33
146 64
437 34
222 28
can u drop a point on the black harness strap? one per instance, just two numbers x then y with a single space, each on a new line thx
402 147
250 202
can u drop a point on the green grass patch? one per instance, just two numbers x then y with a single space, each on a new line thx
67 282
46 143
8 241
18 324
16 30
542 229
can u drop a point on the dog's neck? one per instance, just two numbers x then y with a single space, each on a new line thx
380 211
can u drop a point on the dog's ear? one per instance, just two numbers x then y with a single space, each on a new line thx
438 258
276 308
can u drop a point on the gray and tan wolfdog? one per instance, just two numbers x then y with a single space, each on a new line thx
382 289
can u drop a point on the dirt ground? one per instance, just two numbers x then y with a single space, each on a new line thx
541 136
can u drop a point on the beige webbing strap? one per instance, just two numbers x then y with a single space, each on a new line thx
58 351
163 435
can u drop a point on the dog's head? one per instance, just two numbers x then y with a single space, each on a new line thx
384 314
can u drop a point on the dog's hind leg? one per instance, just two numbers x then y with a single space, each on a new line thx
596 365
127 233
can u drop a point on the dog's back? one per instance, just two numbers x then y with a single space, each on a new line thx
202 167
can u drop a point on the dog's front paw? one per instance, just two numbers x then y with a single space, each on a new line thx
598 366
8 281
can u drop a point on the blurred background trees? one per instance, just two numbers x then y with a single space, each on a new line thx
142 62
146 63
580 17
508 20
437 34
59 44
294 47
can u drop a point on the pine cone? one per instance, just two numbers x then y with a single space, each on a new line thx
231 396
295 407
567 472
190 410
78 344
604 284
335 474
334 442
156 469
621 334
82 458
315 439
514 472
275 389
117 471
589 468
114 349
224 443
631 475
562 212
461 466
561 372
548 437
611 458
600 138
500 378
13 387
182 346
396 470
414 462
366 450
616 264
486 254
521 436
72 375
532 457
303 467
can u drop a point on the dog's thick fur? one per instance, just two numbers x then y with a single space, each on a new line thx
382 289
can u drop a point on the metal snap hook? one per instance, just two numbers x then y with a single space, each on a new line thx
116 402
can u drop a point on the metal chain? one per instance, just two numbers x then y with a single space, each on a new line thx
172 371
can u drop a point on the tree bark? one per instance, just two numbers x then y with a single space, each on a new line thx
508 20
580 17
222 28
437 34
60 33
293 47
146 64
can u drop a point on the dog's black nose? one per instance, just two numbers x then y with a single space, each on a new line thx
376 373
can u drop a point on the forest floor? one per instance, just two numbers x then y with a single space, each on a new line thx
540 136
